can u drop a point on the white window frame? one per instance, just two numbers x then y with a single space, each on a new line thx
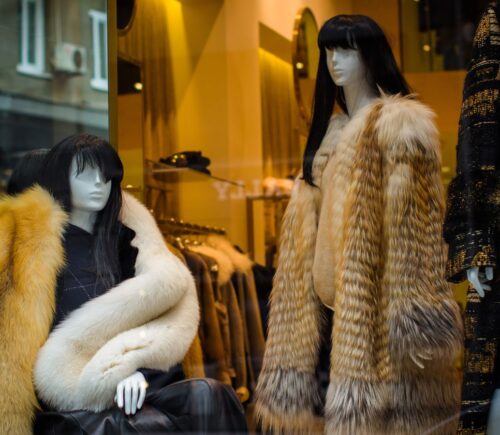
98 82
36 68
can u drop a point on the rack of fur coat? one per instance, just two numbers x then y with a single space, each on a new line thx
231 329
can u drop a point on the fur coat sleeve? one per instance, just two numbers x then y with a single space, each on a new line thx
148 321
422 313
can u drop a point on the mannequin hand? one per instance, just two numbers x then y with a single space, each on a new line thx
131 393
478 279
418 357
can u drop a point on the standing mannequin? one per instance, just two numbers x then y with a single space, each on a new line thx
472 226
362 235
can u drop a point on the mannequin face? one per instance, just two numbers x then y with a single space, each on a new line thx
346 66
89 190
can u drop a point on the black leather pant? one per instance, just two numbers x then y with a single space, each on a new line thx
189 406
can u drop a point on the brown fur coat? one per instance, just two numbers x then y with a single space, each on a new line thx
368 244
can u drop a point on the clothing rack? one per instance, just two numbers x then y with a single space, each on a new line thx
180 226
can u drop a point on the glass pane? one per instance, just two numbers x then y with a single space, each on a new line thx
103 61
39 109
31 32
437 34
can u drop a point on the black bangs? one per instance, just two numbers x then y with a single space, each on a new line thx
95 152
346 31
336 34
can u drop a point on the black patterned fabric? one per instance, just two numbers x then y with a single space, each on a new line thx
482 332
473 218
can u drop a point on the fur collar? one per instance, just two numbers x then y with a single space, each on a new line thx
31 255
147 321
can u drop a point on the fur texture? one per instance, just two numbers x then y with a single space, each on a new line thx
368 244
147 321
31 255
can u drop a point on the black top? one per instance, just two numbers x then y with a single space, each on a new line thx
77 283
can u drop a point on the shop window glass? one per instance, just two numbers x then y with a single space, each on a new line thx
46 68
437 34
99 43
31 41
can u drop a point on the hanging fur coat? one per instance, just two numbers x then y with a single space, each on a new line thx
148 321
367 243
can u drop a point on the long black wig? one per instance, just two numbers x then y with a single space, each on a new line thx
96 152
357 32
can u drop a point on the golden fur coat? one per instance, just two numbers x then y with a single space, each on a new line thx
148 321
366 242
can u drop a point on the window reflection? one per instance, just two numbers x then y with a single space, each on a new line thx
53 74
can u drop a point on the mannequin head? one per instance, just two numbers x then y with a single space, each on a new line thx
346 67
83 172
360 45
89 188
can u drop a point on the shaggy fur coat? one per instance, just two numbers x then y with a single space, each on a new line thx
366 242
148 321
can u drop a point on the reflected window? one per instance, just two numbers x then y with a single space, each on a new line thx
99 45
438 34
62 40
31 37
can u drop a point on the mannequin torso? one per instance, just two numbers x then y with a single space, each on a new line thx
348 71
90 192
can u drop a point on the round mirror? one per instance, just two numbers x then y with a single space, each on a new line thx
305 57
125 11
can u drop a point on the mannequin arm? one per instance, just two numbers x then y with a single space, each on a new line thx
131 393
479 279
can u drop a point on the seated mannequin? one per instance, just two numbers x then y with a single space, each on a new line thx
119 309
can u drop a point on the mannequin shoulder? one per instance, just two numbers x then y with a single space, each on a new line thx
406 125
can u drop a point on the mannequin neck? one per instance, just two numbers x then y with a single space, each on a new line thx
83 219
358 95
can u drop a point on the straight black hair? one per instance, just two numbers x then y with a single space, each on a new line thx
27 171
96 152
357 32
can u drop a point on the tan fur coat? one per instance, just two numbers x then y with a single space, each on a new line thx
367 242
148 321
31 255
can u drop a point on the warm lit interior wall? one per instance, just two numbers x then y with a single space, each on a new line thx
279 15
213 54
130 139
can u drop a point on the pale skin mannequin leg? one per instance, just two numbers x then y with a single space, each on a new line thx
89 195
347 70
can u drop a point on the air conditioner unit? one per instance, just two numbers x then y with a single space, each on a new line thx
70 59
